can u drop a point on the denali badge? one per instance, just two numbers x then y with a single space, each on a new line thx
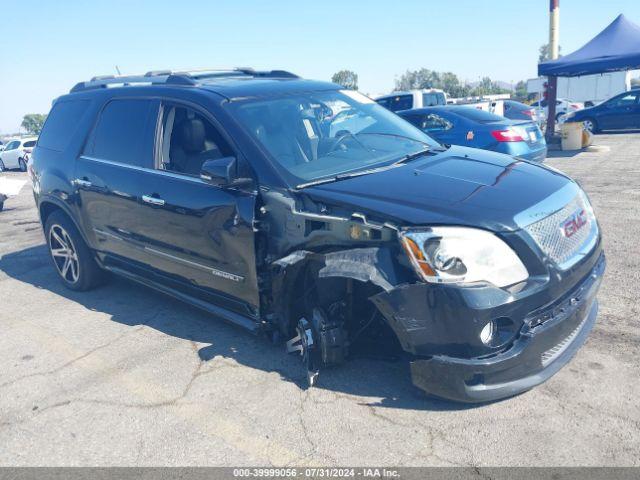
573 223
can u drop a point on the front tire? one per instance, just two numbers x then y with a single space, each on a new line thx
590 125
71 256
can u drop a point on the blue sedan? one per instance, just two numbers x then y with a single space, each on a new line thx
621 112
471 127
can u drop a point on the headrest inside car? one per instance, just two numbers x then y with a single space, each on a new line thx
192 135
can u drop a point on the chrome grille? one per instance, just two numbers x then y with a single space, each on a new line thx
550 234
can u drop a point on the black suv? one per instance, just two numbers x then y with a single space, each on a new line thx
308 212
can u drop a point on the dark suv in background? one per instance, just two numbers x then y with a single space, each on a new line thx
308 212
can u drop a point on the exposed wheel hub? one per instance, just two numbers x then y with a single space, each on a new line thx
321 342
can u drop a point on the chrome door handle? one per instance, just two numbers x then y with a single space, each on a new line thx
83 183
152 200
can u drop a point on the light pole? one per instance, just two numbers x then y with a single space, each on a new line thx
552 83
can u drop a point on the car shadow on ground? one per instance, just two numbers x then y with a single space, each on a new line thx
563 153
380 383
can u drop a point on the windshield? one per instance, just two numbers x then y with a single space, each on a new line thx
316 135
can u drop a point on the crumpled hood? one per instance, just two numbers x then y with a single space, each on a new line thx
460 186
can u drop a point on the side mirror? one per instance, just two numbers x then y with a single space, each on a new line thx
222 172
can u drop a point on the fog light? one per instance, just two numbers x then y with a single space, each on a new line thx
486 335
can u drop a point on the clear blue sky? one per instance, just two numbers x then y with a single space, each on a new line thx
48 46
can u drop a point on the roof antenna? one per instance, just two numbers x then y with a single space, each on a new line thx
118 70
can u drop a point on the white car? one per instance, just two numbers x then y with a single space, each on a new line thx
14 154
563 107
398 101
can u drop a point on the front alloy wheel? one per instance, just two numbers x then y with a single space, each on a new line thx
589 125
64 254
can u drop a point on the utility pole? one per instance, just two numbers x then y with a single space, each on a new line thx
554 28
552 83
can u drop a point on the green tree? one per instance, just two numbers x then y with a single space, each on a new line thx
346 78
543 53
521 91
33 122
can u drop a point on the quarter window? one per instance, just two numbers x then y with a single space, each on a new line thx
62 122
124 133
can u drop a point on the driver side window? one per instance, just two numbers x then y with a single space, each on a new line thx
187 140
624 101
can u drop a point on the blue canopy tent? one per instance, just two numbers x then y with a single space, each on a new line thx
615 48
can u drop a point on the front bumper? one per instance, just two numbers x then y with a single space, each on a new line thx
547 340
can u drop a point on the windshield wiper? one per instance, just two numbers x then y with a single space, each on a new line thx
344 176
395 135
319 181
412 156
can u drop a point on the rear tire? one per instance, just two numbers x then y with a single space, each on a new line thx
22 165
71 257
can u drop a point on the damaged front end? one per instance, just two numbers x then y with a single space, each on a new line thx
506 330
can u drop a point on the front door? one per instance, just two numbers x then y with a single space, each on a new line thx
200 233
620 113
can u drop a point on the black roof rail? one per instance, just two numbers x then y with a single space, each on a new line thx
170 77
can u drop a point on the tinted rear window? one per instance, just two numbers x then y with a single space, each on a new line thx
122 133
30 143
61 124
476 114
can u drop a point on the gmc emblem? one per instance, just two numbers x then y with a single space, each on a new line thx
573 223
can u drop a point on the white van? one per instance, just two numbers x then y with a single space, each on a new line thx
413 99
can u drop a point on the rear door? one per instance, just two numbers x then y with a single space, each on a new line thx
111 175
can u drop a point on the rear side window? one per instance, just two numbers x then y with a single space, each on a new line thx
62 122
30 143
123 133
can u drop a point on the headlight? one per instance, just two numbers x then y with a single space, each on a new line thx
462 255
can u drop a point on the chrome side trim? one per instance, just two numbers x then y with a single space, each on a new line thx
102 232
165 173
184 261
213 271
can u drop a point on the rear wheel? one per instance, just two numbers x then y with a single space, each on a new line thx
22 165
71 257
